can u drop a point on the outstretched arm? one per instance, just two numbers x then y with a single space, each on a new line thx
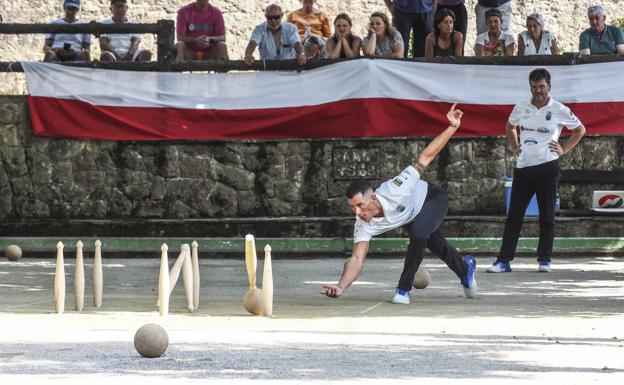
352 269
437 144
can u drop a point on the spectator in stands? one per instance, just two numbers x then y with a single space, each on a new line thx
343 44
536 40
276 39
503 6
122 47
314 47
495 41
66 46
201 32
461 16
600 38
413 17
444 40
382 40
309 17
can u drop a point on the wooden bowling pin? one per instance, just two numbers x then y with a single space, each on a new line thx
59 280
195 260
267 283
252 302
79 280
163 281
98 279
187 277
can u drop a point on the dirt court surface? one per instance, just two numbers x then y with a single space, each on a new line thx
525 327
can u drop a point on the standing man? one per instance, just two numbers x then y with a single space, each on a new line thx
120 46
276 39
600 38
201 32
413 16
540 120
67 46
505 8
406 200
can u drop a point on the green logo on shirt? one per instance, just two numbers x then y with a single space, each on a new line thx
398 182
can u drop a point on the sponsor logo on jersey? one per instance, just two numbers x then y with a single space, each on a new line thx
400 208
549 115
530 141
398 182
543 130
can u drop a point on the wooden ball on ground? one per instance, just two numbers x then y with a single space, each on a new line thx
13 252
422 279
151 340
252 302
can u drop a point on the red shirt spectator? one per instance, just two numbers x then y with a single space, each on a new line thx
201 32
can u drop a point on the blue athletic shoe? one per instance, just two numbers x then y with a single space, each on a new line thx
401 297
499 267
544 267
469 282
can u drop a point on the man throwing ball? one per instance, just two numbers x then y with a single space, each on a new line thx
406 200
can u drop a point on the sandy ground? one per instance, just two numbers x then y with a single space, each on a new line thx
525 327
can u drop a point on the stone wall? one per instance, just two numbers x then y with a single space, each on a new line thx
57 178
566 18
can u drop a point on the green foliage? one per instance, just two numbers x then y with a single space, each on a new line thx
619 22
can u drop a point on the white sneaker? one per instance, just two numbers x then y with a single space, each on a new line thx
544 267
401 297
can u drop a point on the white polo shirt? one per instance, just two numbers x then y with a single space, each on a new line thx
538 126
401 198
120 42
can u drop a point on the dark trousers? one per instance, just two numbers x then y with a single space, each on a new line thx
541 180
461 19
425 232
420 23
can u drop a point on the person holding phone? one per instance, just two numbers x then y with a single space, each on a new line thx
67 46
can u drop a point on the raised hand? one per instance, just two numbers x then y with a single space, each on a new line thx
454 116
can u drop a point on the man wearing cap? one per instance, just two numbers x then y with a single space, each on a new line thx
67 46
275 39
505 8
201 32
118 46
600 38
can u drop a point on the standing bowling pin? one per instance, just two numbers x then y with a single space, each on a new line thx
79 281
187 277
195 260
252 302
59 280
267 283
163 281
98 280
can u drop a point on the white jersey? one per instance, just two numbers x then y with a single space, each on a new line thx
538 126
120 42
401 198
76 40
545 45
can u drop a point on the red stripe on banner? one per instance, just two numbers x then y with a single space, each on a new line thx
355 118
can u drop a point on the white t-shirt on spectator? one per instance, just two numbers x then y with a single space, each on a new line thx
401 197
538 126
76 40
120 42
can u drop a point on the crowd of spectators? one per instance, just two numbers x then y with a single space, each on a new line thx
411 28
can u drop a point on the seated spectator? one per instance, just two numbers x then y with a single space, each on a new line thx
494 42
276 39
117 46
343 44
505 7
201 32
308 16
536 40
600 38
66 46
444 41
382 40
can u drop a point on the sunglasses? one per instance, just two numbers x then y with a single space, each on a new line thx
276 17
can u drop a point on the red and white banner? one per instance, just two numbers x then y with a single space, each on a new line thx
352 99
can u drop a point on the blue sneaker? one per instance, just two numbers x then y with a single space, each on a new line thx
499 267
401 297
544 267
469 282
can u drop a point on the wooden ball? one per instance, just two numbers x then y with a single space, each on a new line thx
422 279
252 302
13 252
151 340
